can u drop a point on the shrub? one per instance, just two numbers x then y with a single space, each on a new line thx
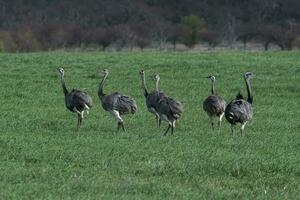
193 25
209 36
8 43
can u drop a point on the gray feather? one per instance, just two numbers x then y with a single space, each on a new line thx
119 102
214 105
238 111
153 99
169 107
78 99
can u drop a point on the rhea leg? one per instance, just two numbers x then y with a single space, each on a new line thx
167 129
121 125
173 127
116 114
79 121
243 127
158 120
232 129
212 122
87 108
77 111
220 120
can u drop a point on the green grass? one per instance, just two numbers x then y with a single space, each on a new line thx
43 157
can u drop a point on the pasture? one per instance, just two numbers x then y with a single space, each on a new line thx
44 157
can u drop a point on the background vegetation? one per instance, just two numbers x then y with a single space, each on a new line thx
35 25
43 157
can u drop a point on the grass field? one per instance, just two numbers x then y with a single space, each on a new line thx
44 157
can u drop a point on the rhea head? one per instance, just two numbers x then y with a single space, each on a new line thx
61 71
142 72
104 72
248 75
212 78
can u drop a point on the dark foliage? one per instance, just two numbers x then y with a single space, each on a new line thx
34 25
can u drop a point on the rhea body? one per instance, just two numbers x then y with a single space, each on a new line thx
116 103
76 101
240 110
168 109
152 98
214 105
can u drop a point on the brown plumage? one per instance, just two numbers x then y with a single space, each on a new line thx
76 101
169 109
239 110
214 105
116 103
152 99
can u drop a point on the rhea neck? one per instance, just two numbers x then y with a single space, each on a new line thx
156 84
249 90
100 90
213 89
144 84
63 84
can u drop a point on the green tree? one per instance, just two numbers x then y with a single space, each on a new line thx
193 25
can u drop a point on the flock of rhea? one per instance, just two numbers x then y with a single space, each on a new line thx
165 108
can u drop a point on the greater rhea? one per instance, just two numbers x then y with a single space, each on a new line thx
76 101
168 109
116 103
214 105
239 110
152 98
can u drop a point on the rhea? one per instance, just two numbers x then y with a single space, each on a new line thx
239 110
168 109
116 103
76 101
152 98
214 105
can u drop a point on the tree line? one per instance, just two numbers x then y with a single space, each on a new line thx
35 25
